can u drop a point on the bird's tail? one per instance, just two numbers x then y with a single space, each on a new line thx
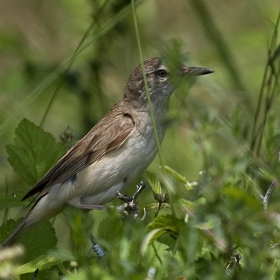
22 227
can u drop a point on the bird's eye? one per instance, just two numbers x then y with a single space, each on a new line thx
162 73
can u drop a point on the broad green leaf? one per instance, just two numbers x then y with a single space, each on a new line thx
160 225
175 174
36 241
39 240
42 262
154 206
12 200
153 181
34 151
7 228
166 222
150 238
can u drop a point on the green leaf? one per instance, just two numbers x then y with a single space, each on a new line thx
36 241
39 240
175 174
166 222
12 200
34 151
161 225
154 206
153 181
7 228
150 238
42 262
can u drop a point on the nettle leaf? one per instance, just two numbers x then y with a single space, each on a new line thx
36 241
166 222
154 206
34 151
161 225
7 228
153 181
42 262
12 200
150 238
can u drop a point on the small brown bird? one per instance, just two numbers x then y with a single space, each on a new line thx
112 155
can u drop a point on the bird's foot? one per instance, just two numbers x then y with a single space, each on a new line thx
130 204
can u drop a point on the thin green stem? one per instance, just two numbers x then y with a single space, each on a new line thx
145 80
156 253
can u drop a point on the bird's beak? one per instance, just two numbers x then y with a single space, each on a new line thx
195 71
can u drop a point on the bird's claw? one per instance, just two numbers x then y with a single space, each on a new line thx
130 204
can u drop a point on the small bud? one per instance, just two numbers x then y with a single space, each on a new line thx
67 136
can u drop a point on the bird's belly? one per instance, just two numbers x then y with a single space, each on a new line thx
98 183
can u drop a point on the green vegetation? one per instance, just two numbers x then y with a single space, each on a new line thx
213 206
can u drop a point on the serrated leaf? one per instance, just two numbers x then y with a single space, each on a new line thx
7 228
42 262
153 181
39 240
175 175
166 222
12 200
150 238
154 206
34 151
36 241
159 226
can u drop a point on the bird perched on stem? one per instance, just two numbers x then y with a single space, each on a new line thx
113 154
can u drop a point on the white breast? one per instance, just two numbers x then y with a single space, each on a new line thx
115 171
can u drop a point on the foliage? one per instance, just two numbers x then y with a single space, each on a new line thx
223 225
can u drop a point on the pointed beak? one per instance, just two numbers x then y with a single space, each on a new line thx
195 71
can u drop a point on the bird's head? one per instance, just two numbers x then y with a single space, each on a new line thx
159 80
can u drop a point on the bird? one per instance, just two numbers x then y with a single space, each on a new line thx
113 154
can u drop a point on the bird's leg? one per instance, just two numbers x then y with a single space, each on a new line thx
96 247
130 204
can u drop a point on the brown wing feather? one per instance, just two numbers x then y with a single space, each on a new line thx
107 135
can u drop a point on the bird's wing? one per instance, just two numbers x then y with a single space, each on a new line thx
109 134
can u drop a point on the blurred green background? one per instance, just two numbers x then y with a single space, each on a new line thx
211 121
